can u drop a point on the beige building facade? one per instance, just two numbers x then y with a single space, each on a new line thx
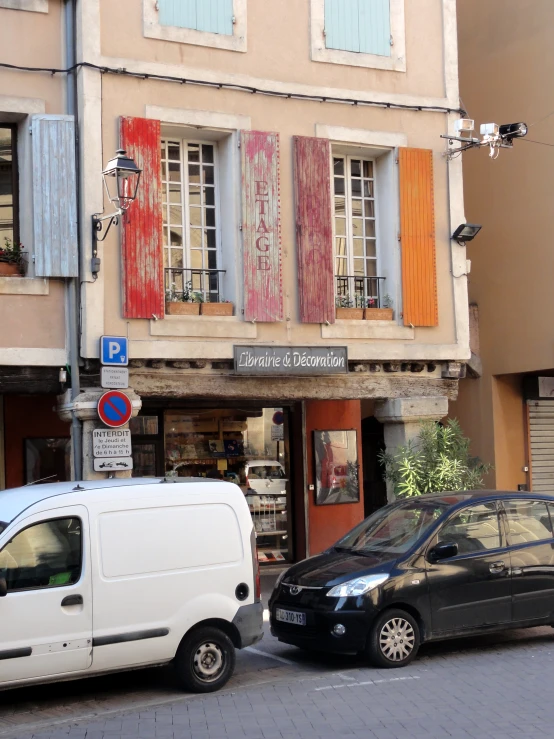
293 175
507 410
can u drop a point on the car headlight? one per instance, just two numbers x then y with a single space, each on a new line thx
280 578
359 586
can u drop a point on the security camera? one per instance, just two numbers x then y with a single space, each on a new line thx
464 124
510 131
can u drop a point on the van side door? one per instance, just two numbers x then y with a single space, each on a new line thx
46 614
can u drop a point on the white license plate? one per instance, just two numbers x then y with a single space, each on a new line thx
290 617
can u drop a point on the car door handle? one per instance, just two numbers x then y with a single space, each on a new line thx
496 567
72 600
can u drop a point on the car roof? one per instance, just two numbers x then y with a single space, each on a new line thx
15 500
264 462
465 496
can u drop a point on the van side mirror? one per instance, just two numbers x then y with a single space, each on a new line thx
3 587
443 550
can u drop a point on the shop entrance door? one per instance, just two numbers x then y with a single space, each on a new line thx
245 445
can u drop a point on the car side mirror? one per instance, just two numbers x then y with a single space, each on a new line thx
443 550
3 587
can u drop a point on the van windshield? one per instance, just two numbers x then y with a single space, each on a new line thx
2 526
395 528
265 471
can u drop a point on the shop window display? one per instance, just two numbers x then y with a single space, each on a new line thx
247 447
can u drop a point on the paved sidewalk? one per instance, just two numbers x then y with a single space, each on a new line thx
498 690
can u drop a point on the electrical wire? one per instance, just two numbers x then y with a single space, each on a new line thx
122 71
541 120
532 141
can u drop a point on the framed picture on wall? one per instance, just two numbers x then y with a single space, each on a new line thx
336 467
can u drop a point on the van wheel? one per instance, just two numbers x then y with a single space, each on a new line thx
205 660
394 639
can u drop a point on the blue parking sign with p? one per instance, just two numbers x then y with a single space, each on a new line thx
114 350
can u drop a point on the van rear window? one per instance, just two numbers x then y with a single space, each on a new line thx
169 539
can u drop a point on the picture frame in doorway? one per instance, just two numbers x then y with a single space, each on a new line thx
336 467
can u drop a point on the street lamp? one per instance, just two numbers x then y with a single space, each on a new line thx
121 180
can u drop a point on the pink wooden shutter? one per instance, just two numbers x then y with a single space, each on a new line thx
141 243
314 230
263 300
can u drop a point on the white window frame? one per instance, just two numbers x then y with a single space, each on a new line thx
349 236
31 6
237 42
395 62
185 207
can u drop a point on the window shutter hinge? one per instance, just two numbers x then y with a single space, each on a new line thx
240 227
324 32
234 20
391 41
157 5
399 237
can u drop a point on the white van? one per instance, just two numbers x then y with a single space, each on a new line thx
108 575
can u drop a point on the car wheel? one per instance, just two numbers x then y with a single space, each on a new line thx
394 639
205 660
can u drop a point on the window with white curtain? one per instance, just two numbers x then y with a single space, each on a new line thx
356 260
191 219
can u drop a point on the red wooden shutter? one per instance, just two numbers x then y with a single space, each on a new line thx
141 243
314 230
417 233
263 299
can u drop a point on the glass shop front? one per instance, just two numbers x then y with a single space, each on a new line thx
247 446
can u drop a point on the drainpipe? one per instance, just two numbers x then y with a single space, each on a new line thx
73 283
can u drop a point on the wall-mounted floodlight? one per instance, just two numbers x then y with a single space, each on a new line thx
466 232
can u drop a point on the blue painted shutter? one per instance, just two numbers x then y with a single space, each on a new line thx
214 16
358 25
54 196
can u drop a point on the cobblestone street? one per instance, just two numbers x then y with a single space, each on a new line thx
496 686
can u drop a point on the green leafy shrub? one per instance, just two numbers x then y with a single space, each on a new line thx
437 460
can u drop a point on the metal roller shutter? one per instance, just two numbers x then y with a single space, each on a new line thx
541 435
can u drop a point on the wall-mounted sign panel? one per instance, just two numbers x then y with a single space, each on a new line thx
291 361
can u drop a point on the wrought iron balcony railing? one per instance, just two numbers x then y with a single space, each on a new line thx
186 284
355 291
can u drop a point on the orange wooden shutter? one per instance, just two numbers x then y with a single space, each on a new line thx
417 234
141 239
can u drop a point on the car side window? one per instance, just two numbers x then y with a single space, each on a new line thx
528 521
474 529
44 555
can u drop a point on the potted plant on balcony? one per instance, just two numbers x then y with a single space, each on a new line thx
219 308
12 259
346 307
373 313
185 303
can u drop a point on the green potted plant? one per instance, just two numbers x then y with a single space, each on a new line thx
12 260
220 308
373 313
346 307
184 303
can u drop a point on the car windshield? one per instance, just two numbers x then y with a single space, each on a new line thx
394 528
263 472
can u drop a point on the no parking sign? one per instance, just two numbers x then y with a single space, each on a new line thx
114 409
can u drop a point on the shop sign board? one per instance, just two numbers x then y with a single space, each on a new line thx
111 443
114 377
115 464
291 360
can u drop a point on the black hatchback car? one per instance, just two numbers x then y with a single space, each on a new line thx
422 569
